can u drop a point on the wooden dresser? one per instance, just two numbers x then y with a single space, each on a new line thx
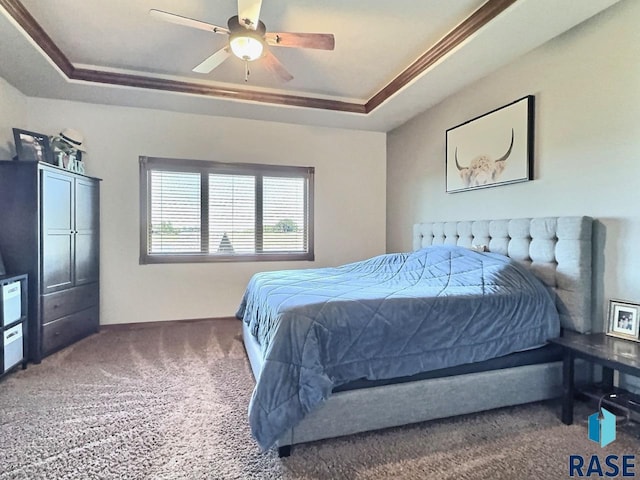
49 228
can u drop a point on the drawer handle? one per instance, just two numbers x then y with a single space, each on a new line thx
55 334
12 335
55 305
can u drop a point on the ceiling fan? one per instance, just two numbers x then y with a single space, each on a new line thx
249 40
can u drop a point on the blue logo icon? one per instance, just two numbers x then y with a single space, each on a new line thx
602 427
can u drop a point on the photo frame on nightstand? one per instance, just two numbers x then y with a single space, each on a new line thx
624 320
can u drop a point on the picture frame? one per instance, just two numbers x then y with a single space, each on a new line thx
624 320
32 146
493 149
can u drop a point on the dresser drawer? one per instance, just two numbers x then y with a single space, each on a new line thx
66 302
66 330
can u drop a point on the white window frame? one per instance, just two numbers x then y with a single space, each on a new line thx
148 164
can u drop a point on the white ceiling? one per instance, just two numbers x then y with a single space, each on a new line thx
376 40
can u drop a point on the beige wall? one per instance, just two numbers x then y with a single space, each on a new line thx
349 198
13 114
587 146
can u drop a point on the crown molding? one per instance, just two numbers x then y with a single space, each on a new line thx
474 22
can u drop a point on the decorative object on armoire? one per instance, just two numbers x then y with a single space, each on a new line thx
50 219
13 322
68 147
73 138
624 320
493 149
32 146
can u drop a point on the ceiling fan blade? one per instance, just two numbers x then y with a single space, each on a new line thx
320 41
185 21
274 66
249 13
213 61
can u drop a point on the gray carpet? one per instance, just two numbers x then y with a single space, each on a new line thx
170 402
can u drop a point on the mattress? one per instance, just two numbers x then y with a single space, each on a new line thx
544 354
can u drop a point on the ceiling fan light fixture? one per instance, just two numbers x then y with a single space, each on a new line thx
246 43
246 46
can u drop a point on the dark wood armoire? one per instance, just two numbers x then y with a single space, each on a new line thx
50 229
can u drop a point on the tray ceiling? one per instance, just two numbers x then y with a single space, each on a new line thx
391 59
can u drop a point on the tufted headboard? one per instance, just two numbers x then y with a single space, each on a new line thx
556 249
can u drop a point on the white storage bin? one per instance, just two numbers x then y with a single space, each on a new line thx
13 351
11 303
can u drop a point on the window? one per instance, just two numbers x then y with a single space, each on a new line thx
196 211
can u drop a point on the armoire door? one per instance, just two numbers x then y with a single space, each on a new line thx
57 231
86 231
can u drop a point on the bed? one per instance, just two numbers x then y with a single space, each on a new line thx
558 252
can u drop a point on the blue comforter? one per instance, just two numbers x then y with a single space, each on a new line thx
390 316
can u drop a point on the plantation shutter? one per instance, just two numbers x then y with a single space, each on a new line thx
284 214
175 212
232 214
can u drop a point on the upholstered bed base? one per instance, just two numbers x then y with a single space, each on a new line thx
562 255
375 408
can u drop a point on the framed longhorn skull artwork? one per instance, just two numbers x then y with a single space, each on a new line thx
493 149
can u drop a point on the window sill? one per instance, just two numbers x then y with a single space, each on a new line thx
198 258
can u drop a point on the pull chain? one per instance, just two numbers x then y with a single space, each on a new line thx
246 71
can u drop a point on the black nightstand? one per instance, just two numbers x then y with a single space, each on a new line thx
601 349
